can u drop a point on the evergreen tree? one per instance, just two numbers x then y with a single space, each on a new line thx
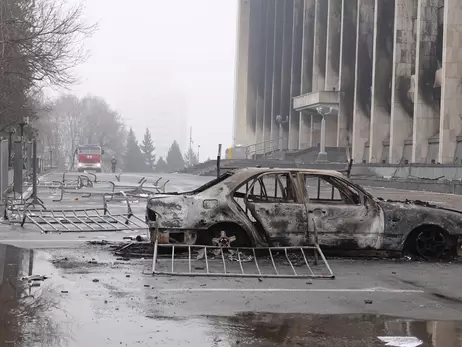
133 158
190 157
147 147
161 165
175 160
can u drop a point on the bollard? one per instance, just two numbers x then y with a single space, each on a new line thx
18 167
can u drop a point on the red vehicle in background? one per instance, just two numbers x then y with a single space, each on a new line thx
89 157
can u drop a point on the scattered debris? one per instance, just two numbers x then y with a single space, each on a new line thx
64 291
368 301
127 276
98 243
34 278
95 280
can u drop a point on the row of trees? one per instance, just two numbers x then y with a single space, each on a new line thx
70 121
142 158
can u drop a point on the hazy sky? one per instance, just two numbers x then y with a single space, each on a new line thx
165 65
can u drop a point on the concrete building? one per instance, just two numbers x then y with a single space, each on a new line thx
387 75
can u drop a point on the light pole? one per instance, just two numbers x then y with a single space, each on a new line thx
198 153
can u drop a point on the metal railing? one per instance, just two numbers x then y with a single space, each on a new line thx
264 147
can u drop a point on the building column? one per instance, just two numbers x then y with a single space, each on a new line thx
304 130
260 71
363 78
319 46
334 13
242 73
269 68
277 69
255 56
286 102
402 108
331 130
295 85
381 78
307 46
315 130
426 108
451 89
347 72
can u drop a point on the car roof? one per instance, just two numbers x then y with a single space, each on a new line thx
260 170
239 176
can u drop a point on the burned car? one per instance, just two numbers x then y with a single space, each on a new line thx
260 207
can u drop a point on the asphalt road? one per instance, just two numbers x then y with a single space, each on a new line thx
92 298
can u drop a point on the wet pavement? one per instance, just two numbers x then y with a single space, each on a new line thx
91 299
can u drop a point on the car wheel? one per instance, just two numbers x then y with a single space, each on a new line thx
432 244
227 235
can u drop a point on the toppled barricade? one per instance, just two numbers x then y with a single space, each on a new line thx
80 220
253 262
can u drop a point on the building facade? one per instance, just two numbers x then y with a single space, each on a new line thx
386 76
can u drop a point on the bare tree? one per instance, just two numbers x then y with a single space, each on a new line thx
40 43
72 121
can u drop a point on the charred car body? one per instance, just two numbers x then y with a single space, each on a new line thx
283 207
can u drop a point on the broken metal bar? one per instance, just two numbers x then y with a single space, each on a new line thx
154 257
239 259
53 214
290 263
44 219
173 257
189 258
256 261
272 260
223 257
306 260
80 220
325 261
206 261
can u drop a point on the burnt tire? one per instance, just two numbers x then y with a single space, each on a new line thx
433 244
242 240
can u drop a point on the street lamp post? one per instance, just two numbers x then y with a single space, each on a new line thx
198 153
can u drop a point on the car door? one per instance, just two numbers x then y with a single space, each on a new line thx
343 216
276 202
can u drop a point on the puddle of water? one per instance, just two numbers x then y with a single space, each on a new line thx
90 313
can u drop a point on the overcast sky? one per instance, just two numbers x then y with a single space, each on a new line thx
166 65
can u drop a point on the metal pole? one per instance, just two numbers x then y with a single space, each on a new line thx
10 148
18 167
218 160
34 171
51 159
